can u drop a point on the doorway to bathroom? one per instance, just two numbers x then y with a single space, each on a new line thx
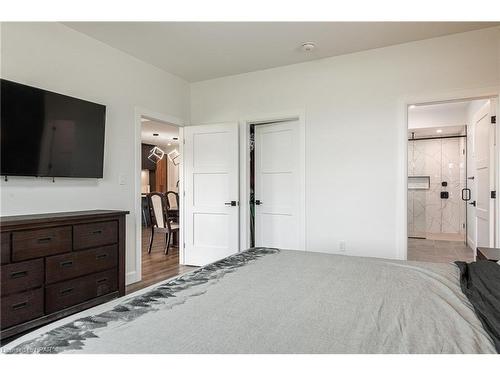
451 178
436 177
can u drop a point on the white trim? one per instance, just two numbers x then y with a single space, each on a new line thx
495 110
471 244
132 277
401 238
245 122
136 275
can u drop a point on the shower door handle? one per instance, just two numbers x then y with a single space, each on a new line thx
466 196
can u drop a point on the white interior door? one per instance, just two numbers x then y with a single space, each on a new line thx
483 138
211 192
277 185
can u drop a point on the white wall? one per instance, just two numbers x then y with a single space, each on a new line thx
54 57
355 129
440 115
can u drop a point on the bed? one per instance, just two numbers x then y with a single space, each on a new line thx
280 301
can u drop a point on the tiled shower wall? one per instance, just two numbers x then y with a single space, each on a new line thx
442 160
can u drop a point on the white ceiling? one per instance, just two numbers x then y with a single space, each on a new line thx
450 118
199 51
165 132
438 115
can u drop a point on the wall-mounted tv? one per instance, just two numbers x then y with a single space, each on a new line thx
47 134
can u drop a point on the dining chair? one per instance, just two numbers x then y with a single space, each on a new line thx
160 221
172 197
173 205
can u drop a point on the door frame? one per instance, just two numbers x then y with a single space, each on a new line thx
136 275
245 123
402 192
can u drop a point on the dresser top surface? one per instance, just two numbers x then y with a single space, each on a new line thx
490 252
58 216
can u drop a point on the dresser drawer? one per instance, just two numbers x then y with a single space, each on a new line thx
95 234
40 242
21 276
5 248
21 307
78 263
68 293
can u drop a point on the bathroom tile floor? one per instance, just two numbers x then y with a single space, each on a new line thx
438 251
440 236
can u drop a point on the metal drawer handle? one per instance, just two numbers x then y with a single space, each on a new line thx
44 239
67 263
19 306
104 279
66 291
101 256
99 231
18 274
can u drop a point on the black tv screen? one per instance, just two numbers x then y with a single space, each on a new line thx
48 134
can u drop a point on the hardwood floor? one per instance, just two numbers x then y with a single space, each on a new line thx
157 266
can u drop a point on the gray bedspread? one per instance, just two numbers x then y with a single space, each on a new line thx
277 301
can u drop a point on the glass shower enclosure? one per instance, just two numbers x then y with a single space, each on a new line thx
436 177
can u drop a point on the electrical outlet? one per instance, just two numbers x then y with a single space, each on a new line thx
122 180
342 245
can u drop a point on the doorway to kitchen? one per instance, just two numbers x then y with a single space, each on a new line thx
161 163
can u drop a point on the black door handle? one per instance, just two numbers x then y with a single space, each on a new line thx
258 202
232 203
473 203
467 195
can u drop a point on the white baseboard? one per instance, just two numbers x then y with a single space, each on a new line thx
132 277
471 244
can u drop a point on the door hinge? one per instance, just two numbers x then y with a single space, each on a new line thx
494 194
463 225
493 119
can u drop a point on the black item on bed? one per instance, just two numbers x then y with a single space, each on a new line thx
480 282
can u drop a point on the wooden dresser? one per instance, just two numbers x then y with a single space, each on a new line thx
54 265
488 253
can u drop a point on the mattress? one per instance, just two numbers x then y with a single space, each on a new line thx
280 301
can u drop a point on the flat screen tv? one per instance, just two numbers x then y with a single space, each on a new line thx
47 134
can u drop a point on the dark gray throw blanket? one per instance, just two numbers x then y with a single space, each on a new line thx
480 282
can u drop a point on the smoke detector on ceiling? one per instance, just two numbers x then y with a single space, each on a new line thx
308 46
